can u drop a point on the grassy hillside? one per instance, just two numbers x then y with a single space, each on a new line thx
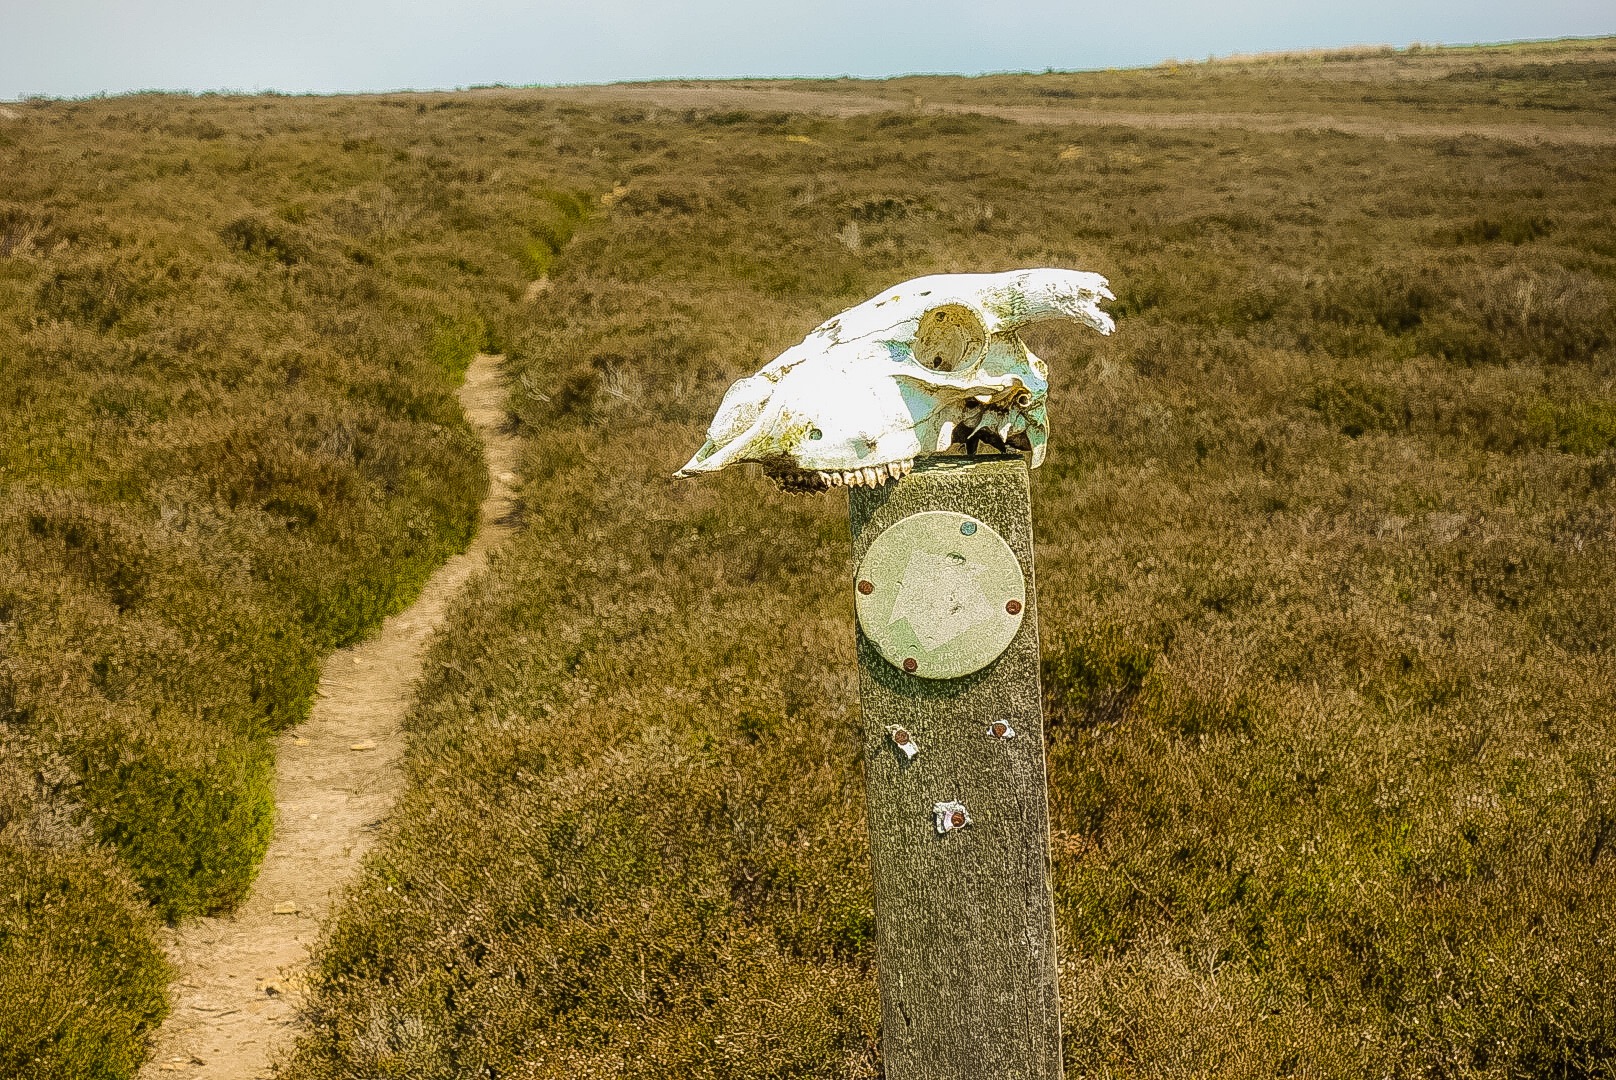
1497 91
1482 84
1324 545
1325 559
229 336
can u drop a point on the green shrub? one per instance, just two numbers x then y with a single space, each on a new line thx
1484 230
560 215
100 292
139 787
1391 299
1583 427
277 240
456 342
1355 407
82 980
1091 675
1460 340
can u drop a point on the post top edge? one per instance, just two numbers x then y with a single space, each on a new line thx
980 462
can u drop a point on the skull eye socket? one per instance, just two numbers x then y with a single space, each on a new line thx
950 338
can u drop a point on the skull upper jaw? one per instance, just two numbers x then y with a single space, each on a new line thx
861 413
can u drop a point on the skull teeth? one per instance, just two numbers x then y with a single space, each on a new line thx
806 481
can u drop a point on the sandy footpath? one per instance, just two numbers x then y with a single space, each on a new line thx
239 977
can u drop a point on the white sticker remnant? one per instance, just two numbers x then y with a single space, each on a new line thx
949 816
904 741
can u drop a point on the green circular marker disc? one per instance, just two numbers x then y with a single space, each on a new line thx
940 594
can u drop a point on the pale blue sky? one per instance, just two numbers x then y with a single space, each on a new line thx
80 47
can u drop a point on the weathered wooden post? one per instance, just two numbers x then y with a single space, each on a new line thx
947 641
954 768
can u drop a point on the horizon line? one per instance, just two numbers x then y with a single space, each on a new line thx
1344 52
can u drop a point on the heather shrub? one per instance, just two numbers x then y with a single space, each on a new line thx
1324 553
1320 579
231 444
81 978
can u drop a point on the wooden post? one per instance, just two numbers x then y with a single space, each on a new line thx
959 814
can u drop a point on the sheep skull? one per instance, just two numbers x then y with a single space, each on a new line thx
928 367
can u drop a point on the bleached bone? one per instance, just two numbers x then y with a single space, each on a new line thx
930 366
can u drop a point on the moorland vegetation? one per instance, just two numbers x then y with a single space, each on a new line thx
230 330
1325 559
1325 552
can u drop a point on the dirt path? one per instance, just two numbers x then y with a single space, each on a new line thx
842 103
239 977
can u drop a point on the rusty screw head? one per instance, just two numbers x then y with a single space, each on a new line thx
948 816
866 587
1000 728
901 739
910 664
1013 607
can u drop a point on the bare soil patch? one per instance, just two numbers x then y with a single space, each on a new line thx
240 976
